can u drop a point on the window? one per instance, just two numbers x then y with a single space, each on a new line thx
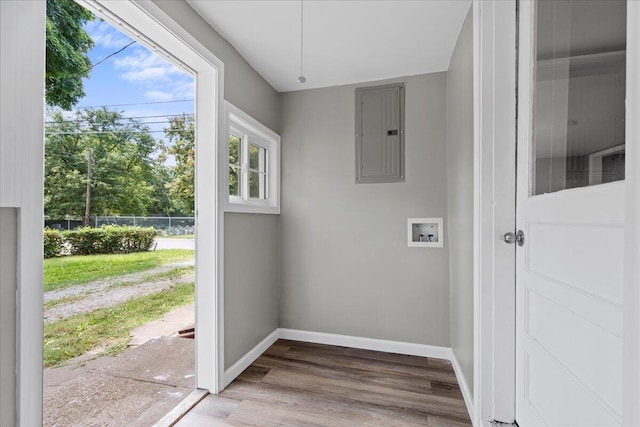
257 172
253 153
580 88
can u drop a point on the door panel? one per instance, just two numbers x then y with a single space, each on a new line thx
568 345
569 311
556 397
569 272
557 251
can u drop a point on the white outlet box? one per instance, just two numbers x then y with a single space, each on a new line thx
425 233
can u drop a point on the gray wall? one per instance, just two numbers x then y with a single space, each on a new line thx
345 267
8 283
460 196
250 240
251 293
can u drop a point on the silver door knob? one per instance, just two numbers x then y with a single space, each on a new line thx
511 237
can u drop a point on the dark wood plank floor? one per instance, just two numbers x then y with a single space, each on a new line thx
302 384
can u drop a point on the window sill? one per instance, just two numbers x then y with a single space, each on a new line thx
252 207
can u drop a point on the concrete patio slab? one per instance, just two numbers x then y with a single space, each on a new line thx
136 388
102 400
170 323
164 360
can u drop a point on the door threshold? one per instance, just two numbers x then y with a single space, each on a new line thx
182 409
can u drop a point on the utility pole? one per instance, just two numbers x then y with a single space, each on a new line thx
87 209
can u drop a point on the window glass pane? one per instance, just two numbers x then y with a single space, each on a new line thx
257 185
579 111
254 185
234 150
234 181
256 157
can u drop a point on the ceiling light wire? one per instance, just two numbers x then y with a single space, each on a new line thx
302 78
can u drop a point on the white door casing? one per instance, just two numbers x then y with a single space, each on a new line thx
494 85
147 23
569 275
631 332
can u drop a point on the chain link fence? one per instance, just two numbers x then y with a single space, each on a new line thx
166 225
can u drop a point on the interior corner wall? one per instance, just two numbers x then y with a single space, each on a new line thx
345 267
460 196
251 258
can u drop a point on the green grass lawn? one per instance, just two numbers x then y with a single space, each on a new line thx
174 273
63 300
109 328
73 270
178 236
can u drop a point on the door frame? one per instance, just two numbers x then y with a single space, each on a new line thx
495 124
631 294
494 85
148 23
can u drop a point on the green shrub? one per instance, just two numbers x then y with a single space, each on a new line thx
53 243
83 241
109 239
127 239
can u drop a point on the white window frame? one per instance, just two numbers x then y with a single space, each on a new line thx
249 130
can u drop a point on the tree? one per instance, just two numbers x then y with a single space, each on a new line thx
163 203
181 136
67 62
234 159
123 174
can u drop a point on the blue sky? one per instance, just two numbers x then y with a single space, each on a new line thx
134 76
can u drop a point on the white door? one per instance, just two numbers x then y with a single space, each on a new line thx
570 206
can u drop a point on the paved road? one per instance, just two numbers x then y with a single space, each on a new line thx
164 243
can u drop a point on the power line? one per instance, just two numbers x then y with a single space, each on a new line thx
122 118
102 132
130 124
107 57
136 103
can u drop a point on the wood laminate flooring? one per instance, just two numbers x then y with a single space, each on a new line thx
302 384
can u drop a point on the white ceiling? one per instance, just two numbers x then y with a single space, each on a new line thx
345 41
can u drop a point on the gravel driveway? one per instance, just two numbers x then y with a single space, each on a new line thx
110 292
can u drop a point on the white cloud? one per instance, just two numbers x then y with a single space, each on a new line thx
184 89
174 91
155 77
143 66
105 35
162 80
158 95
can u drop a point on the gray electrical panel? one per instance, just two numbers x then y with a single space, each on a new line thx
380 134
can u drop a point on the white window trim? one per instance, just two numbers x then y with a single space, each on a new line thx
242 125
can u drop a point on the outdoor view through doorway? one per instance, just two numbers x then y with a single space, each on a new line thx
119 226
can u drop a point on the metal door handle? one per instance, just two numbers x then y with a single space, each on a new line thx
511 238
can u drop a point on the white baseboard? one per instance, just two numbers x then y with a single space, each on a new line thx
464 386
246 360
386 346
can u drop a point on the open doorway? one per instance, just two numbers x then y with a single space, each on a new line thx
119 227
163 144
